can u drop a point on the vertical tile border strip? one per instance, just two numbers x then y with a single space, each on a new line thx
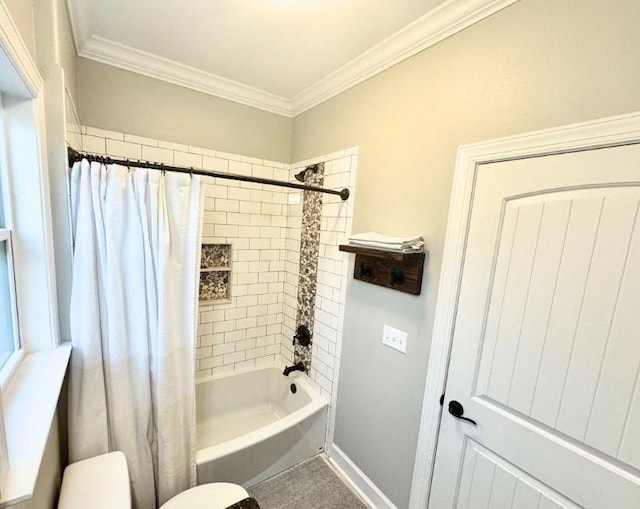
309 251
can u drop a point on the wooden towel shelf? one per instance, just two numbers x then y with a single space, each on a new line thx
391 269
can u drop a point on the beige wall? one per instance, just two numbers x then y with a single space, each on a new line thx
47 488
46 31
54 42
67 56
22 13
118 100
537 64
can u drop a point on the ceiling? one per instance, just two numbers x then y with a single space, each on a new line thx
283 56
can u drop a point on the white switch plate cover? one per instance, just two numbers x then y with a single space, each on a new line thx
394 338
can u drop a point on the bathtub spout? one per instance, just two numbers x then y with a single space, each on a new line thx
296 367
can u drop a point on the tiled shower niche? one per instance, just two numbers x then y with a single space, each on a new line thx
215 273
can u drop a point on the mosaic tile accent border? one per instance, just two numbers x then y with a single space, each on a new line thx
309 251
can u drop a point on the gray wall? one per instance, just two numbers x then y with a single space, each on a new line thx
111 98
537 64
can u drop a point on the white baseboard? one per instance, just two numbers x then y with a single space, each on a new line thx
358 481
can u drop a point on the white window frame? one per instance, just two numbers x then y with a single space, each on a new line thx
27 213
12 363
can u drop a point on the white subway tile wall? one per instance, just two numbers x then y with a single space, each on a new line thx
248 330
262 223
333 270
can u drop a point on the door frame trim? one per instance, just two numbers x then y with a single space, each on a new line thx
606 132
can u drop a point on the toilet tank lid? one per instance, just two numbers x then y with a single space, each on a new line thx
217 495
101 482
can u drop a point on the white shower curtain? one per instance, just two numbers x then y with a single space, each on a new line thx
133 320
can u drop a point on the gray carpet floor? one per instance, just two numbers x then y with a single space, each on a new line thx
310 485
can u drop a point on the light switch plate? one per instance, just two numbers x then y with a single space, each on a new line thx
394 338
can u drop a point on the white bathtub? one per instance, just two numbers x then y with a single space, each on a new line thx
250 426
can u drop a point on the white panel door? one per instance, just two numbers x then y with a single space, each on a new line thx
546 343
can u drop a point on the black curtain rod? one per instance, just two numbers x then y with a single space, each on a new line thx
75 156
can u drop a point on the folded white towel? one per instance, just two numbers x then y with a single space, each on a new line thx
378 241
385 239
397 248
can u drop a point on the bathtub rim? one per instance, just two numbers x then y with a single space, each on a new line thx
317 403
250 369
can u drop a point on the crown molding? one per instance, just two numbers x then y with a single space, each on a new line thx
80 21
444 21
141 62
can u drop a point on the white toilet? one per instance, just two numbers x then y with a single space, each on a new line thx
102 482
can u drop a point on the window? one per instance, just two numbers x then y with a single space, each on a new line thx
29 148
9 342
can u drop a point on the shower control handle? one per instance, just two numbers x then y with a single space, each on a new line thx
303 335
